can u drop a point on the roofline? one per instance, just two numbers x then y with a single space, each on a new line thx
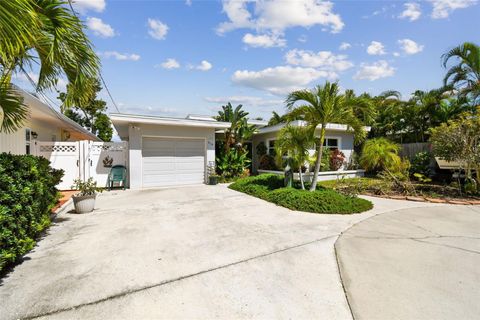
301 123
60 115
123 117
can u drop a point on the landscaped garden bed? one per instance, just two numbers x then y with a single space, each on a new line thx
270 187
427 192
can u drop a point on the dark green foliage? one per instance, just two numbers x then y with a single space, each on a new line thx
319 201
421 163
27 194
270 187
232 163
267 162
91 114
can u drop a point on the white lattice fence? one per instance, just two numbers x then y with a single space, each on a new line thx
62 155
102 156
83 159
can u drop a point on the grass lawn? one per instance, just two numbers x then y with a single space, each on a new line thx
270 187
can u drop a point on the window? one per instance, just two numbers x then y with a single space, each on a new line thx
331 143
28 138
271 147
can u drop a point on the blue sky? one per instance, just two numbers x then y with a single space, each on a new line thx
177 57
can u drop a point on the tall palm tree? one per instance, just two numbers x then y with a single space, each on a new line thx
465 75
47 33
276 119
320 106
295 142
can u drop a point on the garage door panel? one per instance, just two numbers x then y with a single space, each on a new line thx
168 162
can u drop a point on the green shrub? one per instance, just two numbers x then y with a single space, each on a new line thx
319 201
421 163
270 187
27 194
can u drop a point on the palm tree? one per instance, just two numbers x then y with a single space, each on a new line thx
239 130
47 33
320 106
465 75
295 142
380 154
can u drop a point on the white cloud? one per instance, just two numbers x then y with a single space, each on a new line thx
120 56
279 80
149 110
203 66
303 38
345 46
264 40
374 71
169 64
85 5
323 60
412 11
443 8
376 48
188 2
246 101
279 15
157 29
100 28
409 46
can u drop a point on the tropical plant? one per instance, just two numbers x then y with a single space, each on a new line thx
380 154
276 119
267 162
459 141
232 164
239 130
323 105
465 75
86 188
47 33
337 159
294 143
91 114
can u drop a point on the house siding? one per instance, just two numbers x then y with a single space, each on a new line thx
137 131
346 143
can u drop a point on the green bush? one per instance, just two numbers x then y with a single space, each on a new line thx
270 187
27 194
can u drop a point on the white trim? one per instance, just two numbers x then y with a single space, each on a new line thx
205 162
301 123
130 118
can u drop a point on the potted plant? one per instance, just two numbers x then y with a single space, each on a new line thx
213 179
84 200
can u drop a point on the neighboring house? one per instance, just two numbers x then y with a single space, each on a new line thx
42 124
165 151
337 136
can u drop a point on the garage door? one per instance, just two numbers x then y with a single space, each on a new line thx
171 162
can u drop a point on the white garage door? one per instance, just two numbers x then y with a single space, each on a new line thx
170 162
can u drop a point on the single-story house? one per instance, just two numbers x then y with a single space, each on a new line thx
165 151
337 136
42 124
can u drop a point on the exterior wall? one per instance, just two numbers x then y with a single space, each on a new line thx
137 131
345 140
15 142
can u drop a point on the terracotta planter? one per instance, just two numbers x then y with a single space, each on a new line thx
84 204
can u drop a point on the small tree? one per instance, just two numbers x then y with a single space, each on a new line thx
380 154
295 142
459 141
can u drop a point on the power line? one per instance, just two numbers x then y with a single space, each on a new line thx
99 72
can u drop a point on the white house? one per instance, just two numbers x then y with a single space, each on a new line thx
168 151
42 124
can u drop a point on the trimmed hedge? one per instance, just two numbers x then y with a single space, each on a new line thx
269 187
27 195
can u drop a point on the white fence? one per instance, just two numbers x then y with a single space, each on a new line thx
83 159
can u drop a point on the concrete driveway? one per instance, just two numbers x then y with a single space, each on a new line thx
413 264
191 252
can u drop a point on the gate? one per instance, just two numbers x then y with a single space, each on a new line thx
83 159
62 155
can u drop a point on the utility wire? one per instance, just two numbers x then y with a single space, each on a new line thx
99 73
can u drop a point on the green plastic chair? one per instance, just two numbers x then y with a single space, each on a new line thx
118 173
